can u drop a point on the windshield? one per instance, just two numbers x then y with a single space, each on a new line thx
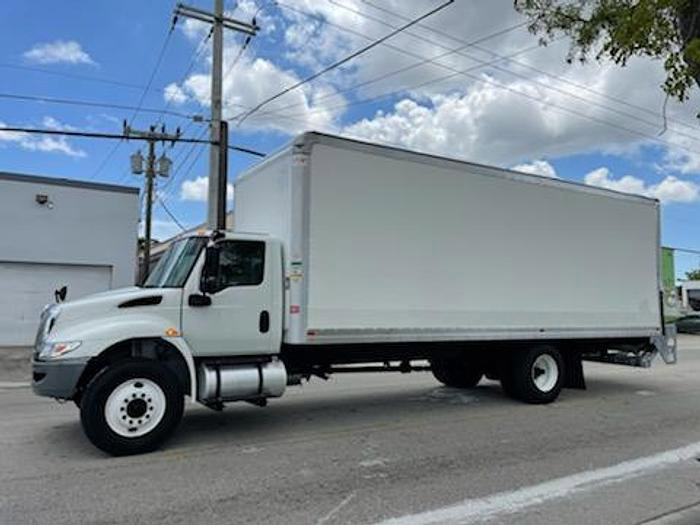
175 265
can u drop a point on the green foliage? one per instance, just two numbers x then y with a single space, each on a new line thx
667 30
693 275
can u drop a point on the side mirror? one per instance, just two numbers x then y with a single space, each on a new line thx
60 294
210 272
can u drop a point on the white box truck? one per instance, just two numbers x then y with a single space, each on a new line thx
349 257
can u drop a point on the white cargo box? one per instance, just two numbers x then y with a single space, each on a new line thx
384 245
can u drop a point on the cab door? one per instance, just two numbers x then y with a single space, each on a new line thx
234 317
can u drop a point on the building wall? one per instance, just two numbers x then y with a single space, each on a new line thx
83 237
87 224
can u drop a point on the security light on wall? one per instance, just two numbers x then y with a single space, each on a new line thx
43 200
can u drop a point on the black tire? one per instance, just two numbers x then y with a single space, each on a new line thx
457 373
98 391
520 371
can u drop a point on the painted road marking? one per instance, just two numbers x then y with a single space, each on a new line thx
503 503
689 515
11 384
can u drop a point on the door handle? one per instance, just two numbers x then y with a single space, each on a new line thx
264 323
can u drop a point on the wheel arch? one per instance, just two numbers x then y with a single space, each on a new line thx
172 352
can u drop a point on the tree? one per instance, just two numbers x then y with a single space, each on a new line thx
693 275
667 30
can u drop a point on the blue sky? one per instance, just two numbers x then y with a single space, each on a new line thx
594 123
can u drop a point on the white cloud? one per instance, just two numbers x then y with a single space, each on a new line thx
45 143
53 123
254 80
504 114
197 190
10 136
59 51
670 189
498 122
53 145
537 167
174 94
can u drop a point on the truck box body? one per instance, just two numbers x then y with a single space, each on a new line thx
386 245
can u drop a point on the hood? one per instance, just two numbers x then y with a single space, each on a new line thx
112 302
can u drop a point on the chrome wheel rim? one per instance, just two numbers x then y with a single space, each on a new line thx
545 373
135 407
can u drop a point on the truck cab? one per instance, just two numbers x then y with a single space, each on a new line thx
206 323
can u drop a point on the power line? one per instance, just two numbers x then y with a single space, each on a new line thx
170 214
248 150
118 136
465 72
538 70
395 72
246 42
683 250
502 69
195 56
159 60
146 89
90 134
344 60
238 56
178 168
435 80
86 103
71 75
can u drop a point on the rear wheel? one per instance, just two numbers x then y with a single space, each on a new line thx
457 372
132 407
535 375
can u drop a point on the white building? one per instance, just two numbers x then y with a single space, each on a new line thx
59 232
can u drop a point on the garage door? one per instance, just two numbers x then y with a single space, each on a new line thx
26 287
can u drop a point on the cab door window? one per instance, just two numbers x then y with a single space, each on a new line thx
241 263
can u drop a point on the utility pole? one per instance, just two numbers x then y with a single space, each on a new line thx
216 203
163 169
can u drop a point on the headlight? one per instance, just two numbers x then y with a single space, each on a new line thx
53 350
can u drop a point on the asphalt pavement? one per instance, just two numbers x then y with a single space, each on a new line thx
373 448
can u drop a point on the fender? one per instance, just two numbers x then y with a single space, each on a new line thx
184 349
97 335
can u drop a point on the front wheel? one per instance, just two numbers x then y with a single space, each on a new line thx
131 407
534 375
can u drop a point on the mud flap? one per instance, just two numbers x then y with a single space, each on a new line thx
573 372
